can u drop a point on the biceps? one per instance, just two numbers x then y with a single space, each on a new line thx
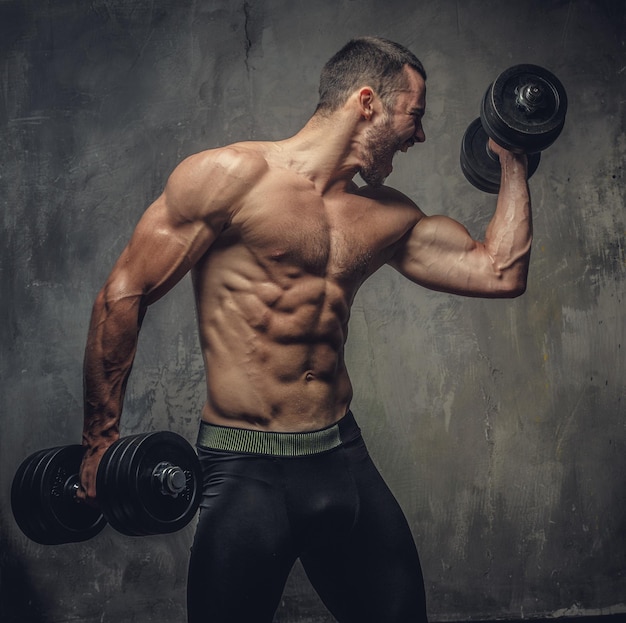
440 254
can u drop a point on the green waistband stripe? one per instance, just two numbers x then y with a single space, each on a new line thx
267 442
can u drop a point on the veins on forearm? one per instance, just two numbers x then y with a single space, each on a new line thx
109 357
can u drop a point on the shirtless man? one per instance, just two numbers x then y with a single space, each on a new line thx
279 238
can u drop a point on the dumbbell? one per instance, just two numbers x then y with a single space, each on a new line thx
146 484
523 110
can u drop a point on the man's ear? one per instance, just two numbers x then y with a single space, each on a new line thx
366 102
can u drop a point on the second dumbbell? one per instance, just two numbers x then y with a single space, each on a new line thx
523 110
146 484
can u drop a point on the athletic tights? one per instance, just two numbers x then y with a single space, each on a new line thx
259 513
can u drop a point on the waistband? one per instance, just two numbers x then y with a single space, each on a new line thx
246 441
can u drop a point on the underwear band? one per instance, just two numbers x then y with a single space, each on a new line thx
246 441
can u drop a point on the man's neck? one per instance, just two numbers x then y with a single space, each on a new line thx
327 150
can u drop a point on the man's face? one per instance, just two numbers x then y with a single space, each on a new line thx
398 129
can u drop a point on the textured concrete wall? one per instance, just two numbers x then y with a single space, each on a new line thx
499 424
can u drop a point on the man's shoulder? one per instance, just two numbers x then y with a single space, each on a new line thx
243 160
214 182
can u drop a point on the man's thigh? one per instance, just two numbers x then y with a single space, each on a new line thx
373 573
242 553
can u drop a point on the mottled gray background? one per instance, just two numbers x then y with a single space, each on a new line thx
499 424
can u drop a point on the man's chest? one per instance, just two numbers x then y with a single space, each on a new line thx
342 237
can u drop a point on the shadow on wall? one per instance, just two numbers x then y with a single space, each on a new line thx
20 601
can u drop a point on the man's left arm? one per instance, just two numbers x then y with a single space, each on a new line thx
439 253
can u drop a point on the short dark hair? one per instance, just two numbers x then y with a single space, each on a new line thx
374 61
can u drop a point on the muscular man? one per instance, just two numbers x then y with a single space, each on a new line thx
279 238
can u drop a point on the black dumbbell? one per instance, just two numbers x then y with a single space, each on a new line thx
146 484
523 110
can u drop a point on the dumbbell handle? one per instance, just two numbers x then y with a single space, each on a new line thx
170 478
71 488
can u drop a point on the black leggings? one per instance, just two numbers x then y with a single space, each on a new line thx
332 510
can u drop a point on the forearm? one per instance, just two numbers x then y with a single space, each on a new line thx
509 234
109 356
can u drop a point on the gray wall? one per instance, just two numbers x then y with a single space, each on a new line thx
499 424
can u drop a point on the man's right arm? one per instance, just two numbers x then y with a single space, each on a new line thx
172 235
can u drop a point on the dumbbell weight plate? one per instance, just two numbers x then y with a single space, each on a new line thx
113 489
524 108
479 165
43 498
25 504
130 494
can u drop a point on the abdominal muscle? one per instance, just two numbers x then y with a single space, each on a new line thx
273 344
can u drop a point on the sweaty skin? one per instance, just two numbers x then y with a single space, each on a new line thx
278 239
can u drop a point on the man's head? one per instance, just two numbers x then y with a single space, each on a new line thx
374 61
